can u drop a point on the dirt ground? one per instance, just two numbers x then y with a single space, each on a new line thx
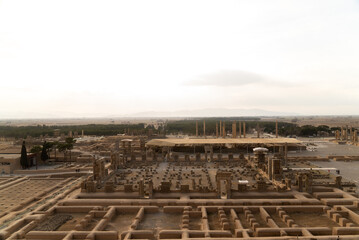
323 148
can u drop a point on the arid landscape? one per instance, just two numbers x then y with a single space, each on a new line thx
193 120
234 183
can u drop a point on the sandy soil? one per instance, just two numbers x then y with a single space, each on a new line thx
313 220
161 220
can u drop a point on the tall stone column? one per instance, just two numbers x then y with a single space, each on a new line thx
300 182
338 182
216 129
285 154
194 186
269 170
219 190
204 128
220 128
228 188
141 189
196 128
276 128
240 129
351 134
244 129
258 131
224 129
308 181
150 188
234 129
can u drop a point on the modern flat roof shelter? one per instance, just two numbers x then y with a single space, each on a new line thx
265 142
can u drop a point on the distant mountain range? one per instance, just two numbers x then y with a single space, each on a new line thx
206 112
211 112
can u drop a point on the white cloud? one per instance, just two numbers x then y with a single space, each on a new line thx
226 79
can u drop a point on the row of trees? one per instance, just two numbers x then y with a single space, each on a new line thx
44 151
90 129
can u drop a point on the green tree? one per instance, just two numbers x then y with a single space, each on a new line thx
36 149
44 154
308 130
23 159
52 146
70 144
66 146
323 128
62 148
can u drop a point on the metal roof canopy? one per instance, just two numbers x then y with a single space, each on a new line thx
311 169
173 142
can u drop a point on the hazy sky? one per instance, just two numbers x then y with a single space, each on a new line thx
100 58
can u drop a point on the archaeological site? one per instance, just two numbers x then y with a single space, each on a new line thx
179 119
230 184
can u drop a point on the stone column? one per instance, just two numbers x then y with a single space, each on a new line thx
228 186
270 169
351 134
82 133
300 182
341 133
150 188
244 130
276 128
219 192
258 131
285 154
142 146
308 183
240 129
338 182
141 189
220 128
355 136
234 129
224 129
216 129
196 128
204 128
276 169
